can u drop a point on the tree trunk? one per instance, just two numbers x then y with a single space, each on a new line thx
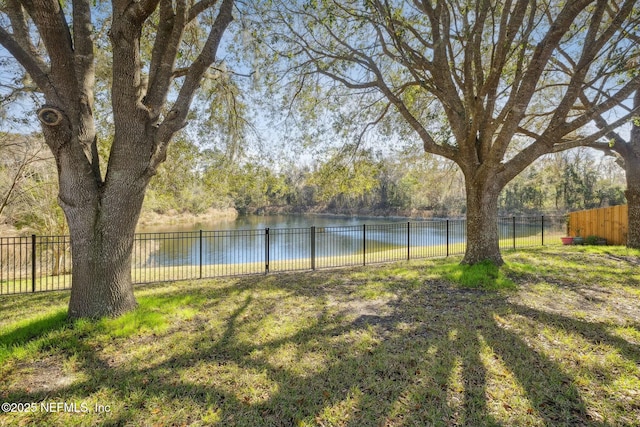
102 250
101 284
632 172
102 217
633 204
482 224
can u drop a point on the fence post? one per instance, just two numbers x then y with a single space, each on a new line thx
200 256
408 240
514 232
313 247
266 250
364 244
447 237
33 263
542 228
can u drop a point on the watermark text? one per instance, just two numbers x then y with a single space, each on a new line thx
50 406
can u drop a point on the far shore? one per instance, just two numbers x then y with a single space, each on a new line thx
153 220
172 217
150 219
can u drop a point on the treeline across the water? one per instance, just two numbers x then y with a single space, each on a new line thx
372 183
364 182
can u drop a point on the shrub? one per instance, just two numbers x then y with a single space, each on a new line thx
591 240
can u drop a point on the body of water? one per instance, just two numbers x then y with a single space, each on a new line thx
246 240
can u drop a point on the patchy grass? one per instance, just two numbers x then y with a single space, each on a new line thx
553 338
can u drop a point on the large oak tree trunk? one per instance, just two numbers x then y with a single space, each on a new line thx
102 250
102 216
101 284
633 202
482 225
632 172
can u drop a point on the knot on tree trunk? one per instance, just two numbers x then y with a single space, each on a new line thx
50 116
56 127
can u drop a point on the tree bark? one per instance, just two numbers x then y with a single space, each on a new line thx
633 201
102 234
102 216
482 225
632 172
101 283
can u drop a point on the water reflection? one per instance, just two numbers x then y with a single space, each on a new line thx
254 239
330 240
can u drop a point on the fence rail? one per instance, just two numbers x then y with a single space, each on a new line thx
43 263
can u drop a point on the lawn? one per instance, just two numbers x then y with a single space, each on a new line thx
551 339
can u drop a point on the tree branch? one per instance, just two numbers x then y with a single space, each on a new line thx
175 119
52 25
83 44
591 47
85 72
596 110
31 64
165 51
165 27
181 72
138 11
200 7
601 122
521 96
20 26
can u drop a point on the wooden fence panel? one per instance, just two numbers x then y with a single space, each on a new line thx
611 223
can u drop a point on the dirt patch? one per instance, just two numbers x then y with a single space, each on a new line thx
628 259
42 376
361 307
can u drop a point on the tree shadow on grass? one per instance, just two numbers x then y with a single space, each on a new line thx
595 332
419 363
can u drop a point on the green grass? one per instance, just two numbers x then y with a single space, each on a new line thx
552 338
42 283
484 275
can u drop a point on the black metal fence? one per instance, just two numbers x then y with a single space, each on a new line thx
34 263
43 263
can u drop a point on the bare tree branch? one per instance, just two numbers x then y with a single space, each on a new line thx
176 117
165 51
30 63
521 96
200 7
20 27
53 28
